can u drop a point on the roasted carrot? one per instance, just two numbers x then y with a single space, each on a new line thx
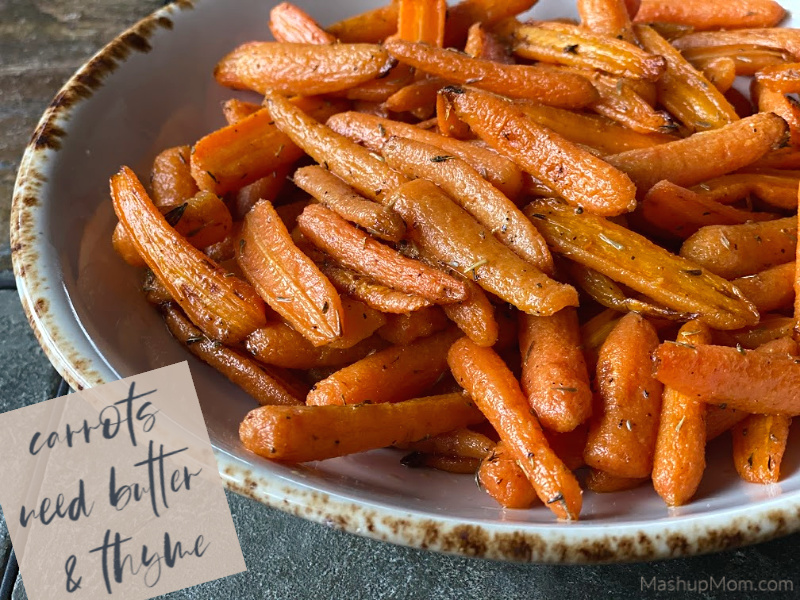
683 90
714 14
447 232
783 78
289 23
750 381
482 43
418 95
497 394
463 443
224 308
606 17
306 433
404 329
422 21
171 177
581 178
554 375
356 250
574 46
736 250
722 73
373 132
279 345
684 162
773 187
679 459
473 193
721 418
304 69
680 212
759 442
501 477
621 101
543 83
601 482
390 375
353 163
771 289
635 261
463 14
748 59
124 246
771 327
286 278
236 110
370 27
267 386
779 39
336 195
448 123
622 437
266 188
449 464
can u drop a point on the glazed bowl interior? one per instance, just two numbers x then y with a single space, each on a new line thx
86 307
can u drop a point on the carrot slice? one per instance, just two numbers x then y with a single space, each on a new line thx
543 83
303 69
224 308
286 278
447 232
356 250
391 375
680 446
622 437
554 375
289 23
305 433
265 385
582 179
497 394
473 193
714 14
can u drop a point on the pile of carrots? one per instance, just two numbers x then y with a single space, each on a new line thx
509 248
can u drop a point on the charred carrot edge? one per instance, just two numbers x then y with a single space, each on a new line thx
544 83
279 345
680 212
267 386
302 69
473 193
607 248
286 278
575 46
353 163
680 446
404 329
463 443
737 250
501 477
224 308
336 195
606 17
356 250
750 381
454 238
714 14
622 438
422 21
771 289
682 162
496 393
289 23
305 433
391 375
601 482
683 90
581 178
171 177
554 375
371 27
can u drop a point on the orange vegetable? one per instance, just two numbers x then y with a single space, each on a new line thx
267 386
774 187
390 375
712 14
779 39
171 177
601 482
748 59
466 12
484 44
545 84
370 27
679 459
721 418
502 478
422 21
554 375
497 394
224 308
771 289
448 233
288 23
622 437
606 17
722 73
622 102
769 328
286 278
759 442
303 69
463 443
582 179
306 433
440 462
418 95
266 188
783 78
235 110
404 329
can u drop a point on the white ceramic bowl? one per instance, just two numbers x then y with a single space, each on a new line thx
152 88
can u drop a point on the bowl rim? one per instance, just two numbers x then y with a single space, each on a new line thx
82 366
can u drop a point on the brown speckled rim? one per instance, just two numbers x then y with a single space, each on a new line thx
72 354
